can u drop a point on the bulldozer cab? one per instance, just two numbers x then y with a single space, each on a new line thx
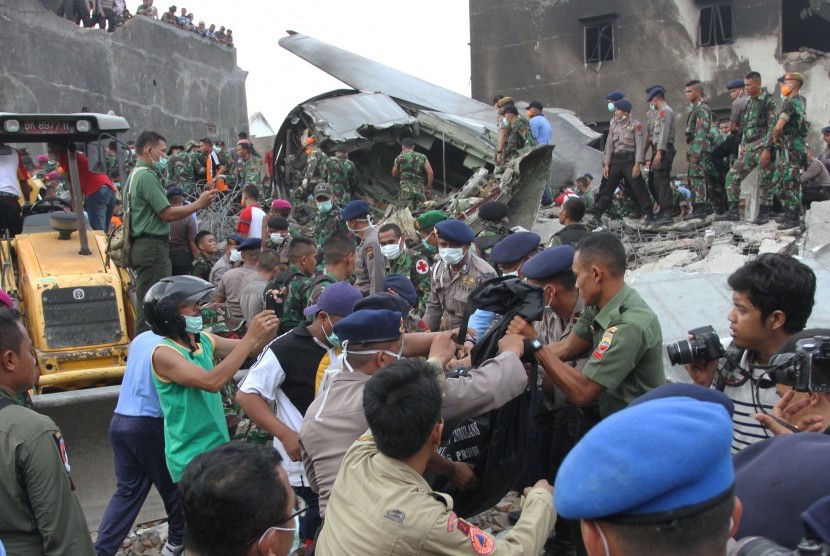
75 304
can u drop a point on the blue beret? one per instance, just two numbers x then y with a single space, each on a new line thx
649 463
514 247
549 262
686 390
825 129
455 231
654 92
355 210
623 105
614 96
370 325
383 300
649 89
234 239
735 84
402 286
249 244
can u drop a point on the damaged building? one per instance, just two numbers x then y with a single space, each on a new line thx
570 53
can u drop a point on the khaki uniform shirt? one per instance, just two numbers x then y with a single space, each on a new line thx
663 128
335 418
251 300
370 268
448 296
219 269
39 513
400 514
626 136
627 345
231 286
553 329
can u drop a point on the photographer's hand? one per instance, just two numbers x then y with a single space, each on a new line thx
784 413
702 374
520 326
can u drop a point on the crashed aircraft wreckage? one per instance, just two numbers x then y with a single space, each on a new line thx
458 135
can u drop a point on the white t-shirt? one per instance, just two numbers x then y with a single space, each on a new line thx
8 173
257 214
746 429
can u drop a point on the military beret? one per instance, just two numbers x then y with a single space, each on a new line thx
383 300
735 84
250 244
278 223
492 211
623 105
825 129
649 89
356 210
429 219
190 145
402 286
455 231
337 299
175 191
650 463
504 101
654 92
536 104
323 189
686 390
548 263
280 204
614 96
514 247
234 239
370 325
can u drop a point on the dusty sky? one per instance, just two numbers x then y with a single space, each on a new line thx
427 38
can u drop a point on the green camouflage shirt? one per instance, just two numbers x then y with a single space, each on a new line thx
315 168
697 128
414 266
519 136
318 284
759 118
247 172
182 170
295 300
328 223
201 267
342 177
411 166
792 136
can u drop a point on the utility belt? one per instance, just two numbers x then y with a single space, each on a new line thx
623 156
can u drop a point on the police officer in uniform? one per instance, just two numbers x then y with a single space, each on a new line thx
41 514
455 276
235 280
370 267
230 259
662 143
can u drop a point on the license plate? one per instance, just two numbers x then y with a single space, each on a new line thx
38 127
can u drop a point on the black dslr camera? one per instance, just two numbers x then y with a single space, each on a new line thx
806 370
703 345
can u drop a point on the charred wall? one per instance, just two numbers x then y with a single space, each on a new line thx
156 76
536 50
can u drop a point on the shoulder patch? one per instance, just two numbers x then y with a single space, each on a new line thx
395 515
369 251
480 542
452 522
639 126
604 343
422 266
61 446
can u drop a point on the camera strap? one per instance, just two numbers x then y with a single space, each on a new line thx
733 356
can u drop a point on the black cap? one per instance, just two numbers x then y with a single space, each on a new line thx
493 211
536 104
175 191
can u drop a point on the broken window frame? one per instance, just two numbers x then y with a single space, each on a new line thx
721 24
605 31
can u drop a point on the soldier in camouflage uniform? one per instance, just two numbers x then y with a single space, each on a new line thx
327 221
758 120
203 264
302 255
787 138
699 150
519 134
621 205
278 237
341 174
248 169
225 156
425 226
408 262
183 168
582 188
718 169
413 169
494 227
315 172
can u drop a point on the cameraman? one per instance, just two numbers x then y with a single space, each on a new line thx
772 299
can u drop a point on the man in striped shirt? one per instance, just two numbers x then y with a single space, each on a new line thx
772 299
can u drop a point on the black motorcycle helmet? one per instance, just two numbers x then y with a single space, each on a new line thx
169 294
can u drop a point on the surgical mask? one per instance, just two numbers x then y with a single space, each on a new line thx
786 90
160 164
451 255
392 251
217 149
295 544
611 107
277 238
652 107
332 338
505 122
512 273
427 245
193 325
397 355
324 207
236 256
354 230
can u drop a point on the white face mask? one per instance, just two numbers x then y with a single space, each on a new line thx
611 107
451 255
236 256
513 273
392 251
277 238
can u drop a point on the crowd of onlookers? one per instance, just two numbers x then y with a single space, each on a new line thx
111 14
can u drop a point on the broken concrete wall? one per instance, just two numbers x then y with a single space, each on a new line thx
155 75
535 50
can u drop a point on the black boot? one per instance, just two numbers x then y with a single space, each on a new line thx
732 215
650 218
763 215
791 219
663 218
701 211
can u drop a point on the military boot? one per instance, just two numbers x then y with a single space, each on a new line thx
791 219
701 211
664 218
732 215
763 215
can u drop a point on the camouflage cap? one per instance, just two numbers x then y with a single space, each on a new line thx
323 189
190 145
792 75
429 219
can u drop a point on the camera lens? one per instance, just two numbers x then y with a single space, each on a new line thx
680 352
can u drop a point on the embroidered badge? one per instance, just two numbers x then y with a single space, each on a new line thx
422 267
395 515
369 252
604 343
452 522
61 446
481 542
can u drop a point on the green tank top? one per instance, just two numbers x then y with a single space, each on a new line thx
194 421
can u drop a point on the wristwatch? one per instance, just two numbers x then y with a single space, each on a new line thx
534 345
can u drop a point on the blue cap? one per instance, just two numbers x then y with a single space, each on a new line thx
686 390
402 286
623 105
649 463
355 210
825 129
514 247
383 300
649 89
549 262
337 299
370 325
234 239
654 92
250 244
735 84
455 231
614 96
